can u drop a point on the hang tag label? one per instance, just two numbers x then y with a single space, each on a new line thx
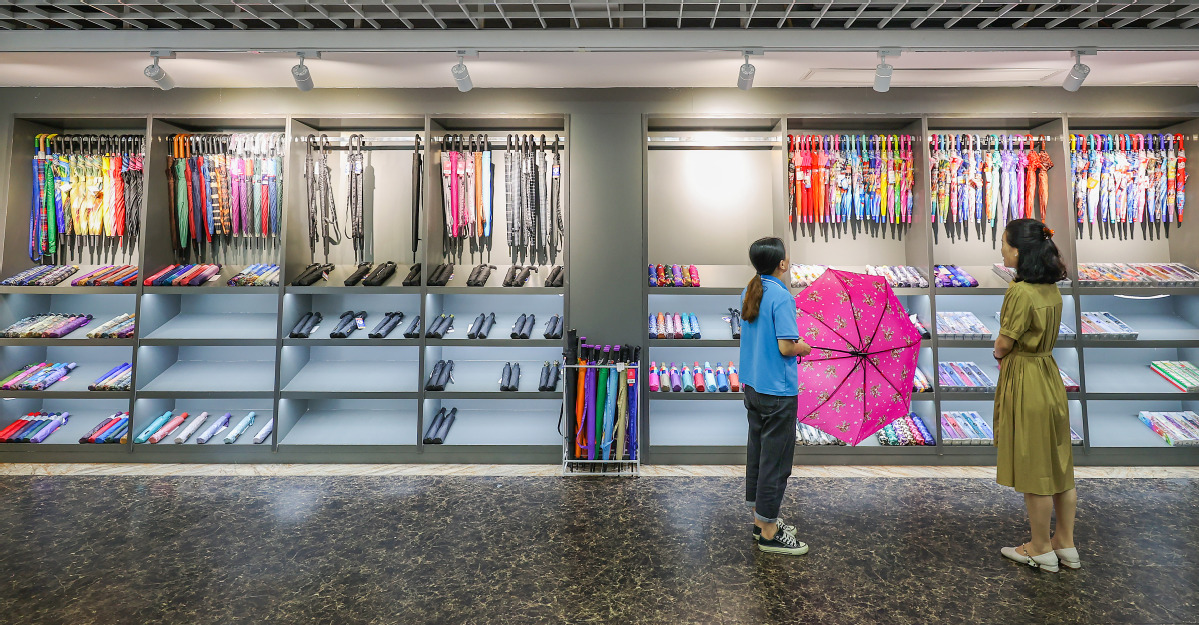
213 277
359 323
324 275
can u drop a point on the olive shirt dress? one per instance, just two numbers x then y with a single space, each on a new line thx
1032 420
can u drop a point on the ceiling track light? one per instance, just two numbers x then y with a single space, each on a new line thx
300 73
883 71
1079 72
745 76
461 74
156 73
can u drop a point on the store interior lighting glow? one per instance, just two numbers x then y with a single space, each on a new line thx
1077 74
462 76
745 77
159 75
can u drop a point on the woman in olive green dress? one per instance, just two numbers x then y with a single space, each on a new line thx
1032 420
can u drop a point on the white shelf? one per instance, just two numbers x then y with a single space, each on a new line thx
233 326
354 427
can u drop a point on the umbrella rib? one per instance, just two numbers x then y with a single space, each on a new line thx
853 309
843 381
821 322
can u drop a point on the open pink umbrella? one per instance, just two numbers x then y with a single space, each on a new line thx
858 377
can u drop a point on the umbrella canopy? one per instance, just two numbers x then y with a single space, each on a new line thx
858 377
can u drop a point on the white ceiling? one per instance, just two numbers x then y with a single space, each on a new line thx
598 69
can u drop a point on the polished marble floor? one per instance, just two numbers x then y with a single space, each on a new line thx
518 549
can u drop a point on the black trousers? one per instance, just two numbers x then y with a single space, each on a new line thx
771 451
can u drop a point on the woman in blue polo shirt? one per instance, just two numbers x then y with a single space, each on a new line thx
770 376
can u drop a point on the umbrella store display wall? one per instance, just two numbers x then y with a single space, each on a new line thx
86 196
709 185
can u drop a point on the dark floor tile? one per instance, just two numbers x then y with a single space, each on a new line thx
352 550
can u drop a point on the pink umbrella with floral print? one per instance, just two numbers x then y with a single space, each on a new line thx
858 377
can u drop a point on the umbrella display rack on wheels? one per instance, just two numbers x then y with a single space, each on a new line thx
746 188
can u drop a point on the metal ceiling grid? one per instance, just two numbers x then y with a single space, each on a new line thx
431 15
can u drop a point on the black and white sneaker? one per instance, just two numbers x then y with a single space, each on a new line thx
782 543
783 527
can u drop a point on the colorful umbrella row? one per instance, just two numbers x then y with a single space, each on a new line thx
844 178
1137 274
183 275
41 275
605 425
224 189
46 325
34 427
166 424
1121 180
673 275
87 192
259 274
908 430
112 429
119 378
698 380
674 326
1177 429
108 275
37 376
988 179
120 327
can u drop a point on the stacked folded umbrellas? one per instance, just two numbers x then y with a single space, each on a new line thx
1137 274
41 275
1177 429
808 435
47 325
87 193
965 428
674 275
693 379
183 275
439 427
34 427
674 326
1120 181
988 180
112 429
118 378
169 423
261 274
119 327
108 275
838 179
909 430
37 376
548 381
953 276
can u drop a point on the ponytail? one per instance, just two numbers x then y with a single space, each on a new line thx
765 255
753 299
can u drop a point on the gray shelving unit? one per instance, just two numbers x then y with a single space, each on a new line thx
221 348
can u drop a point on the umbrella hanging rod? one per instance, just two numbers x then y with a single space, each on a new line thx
409 140
499 140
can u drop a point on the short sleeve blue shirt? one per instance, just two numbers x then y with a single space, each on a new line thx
762 366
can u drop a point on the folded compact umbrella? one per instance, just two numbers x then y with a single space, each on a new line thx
214 429
440 326
338 331
434 426
735 322
529 326
523 276
653 275
480 275
664 378
413 277
441 376
555 276
487 325
734 379
386 325
443 430
545 377
555 376
473 333
299 326
655 383
119 428
442 274
676 379
413 331
695 333
191 428
154 426
697 373
381 274
688 380
359 273
510 277
722 380
709 378
100 427
553 328
240 429
676 273
518 326
168 428
506 376
264 432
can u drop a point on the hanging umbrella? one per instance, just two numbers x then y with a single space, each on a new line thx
858 377
417 173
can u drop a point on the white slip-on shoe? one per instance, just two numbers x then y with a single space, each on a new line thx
1068 558
1047 562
